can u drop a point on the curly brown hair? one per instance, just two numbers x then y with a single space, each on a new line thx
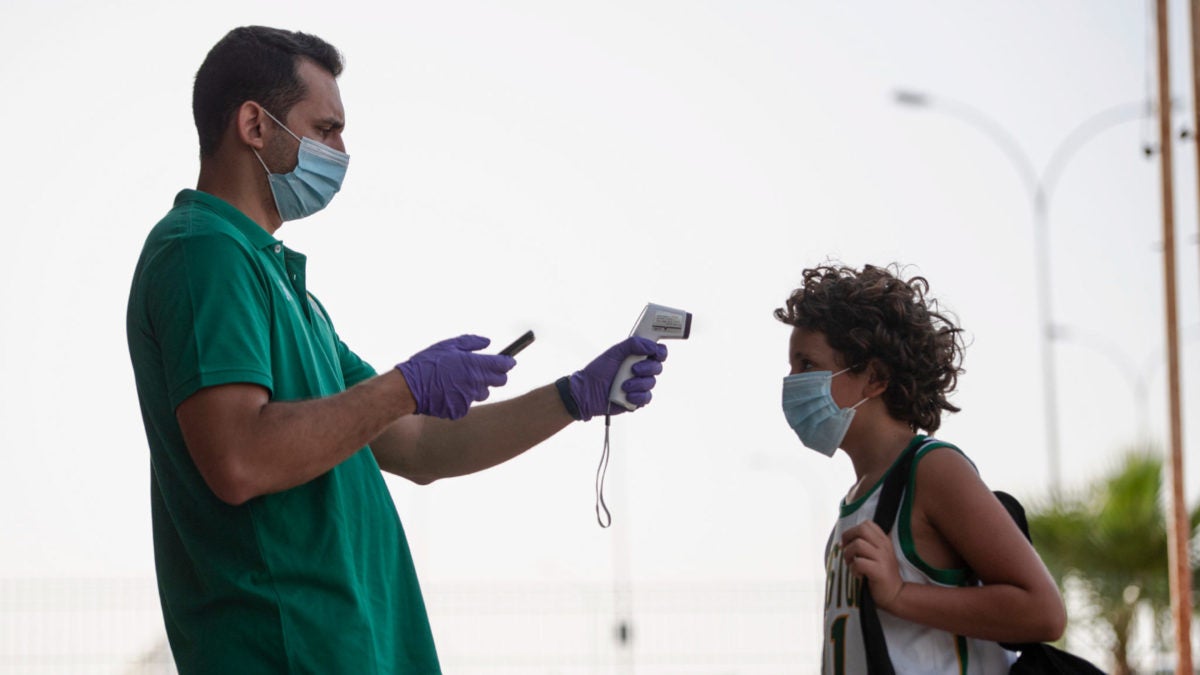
876 315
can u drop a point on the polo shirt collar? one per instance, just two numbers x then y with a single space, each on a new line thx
258 237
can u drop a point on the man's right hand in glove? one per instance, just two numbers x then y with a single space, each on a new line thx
446 378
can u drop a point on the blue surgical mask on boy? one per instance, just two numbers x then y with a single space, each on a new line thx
812 413
312 184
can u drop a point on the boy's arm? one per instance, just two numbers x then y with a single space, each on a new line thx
1018 601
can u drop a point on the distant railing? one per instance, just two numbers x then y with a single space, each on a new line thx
114 627
82 627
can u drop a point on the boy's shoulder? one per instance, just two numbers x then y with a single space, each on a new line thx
943 468
931 444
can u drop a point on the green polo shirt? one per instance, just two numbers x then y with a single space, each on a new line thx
315 579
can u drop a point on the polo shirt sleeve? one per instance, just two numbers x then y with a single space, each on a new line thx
209 309
354 369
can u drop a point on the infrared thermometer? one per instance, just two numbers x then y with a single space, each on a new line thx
655 323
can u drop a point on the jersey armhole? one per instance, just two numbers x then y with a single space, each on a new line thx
950 577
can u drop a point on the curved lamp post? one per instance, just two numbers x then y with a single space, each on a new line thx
1039 188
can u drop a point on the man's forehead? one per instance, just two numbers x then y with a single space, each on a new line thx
323 98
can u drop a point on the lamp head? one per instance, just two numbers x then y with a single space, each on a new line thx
910 97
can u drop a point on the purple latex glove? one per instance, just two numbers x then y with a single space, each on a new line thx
448 377
590 386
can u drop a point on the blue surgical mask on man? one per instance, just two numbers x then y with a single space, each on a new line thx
312 184
812 413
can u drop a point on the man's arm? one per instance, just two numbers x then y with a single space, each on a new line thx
424 449
246 445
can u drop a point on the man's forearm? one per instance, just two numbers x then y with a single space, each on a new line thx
425 449
246 445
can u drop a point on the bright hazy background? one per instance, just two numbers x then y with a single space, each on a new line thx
556 165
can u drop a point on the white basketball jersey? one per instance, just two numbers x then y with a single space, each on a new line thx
913 648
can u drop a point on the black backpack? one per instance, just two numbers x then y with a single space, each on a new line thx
1035 658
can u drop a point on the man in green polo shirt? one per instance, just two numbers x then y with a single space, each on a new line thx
277 545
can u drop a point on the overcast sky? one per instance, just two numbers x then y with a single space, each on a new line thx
555 166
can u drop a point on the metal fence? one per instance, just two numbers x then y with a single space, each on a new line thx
114 627
82 626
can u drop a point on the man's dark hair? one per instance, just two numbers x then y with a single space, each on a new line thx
253 63
876 315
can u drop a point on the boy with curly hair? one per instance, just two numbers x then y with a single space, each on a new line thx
872 362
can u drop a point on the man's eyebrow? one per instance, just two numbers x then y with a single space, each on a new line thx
332 122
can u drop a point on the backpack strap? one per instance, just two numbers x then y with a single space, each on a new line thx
874 642
1015 510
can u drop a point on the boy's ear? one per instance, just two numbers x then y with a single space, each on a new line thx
878 376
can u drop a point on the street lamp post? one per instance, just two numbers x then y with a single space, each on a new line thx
1138 376
1039 189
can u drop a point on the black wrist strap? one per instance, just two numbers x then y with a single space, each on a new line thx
563 384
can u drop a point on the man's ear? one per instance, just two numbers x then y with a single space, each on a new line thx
248 124
878 376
